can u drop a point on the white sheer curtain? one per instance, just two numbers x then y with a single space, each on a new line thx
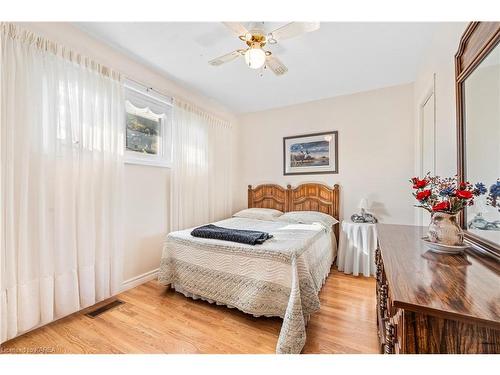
61 144
201 182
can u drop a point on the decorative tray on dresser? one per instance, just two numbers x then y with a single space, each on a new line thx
434 303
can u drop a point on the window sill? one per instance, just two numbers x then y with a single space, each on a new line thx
149 163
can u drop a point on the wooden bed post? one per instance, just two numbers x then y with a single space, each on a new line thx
250 196
336 211
288 197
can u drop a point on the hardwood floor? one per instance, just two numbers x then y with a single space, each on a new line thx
157 320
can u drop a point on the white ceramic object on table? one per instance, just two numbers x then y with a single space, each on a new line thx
444 249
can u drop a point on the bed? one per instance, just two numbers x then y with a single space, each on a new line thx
281 277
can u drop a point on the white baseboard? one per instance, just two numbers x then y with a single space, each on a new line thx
140 279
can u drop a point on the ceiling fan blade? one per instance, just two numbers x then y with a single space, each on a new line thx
276 65
225 58
236 28
294 29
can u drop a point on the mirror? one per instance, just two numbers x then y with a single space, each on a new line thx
481 93
477 78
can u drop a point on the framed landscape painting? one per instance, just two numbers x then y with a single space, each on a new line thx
311 153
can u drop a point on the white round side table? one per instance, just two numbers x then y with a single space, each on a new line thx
357 245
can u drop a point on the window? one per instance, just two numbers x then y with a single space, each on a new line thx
147 126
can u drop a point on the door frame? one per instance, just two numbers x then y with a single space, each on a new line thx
429 94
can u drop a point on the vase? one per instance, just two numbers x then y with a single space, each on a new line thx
444 229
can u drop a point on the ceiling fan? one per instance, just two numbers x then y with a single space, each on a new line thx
256 38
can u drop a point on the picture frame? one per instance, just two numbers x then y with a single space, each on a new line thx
315 153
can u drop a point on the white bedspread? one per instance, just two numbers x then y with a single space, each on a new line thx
282 277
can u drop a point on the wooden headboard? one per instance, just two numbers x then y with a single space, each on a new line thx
268 196
305 197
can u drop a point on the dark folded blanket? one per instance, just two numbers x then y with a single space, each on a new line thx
249 237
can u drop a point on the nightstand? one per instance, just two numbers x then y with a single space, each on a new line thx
357 245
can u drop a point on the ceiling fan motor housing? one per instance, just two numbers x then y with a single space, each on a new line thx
254 39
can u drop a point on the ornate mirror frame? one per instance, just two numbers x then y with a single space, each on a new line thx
478 40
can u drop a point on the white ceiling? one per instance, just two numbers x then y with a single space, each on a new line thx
338 59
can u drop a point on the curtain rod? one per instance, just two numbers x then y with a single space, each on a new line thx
148 89
32 38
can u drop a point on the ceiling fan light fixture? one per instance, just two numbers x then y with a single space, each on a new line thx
255 58
256 39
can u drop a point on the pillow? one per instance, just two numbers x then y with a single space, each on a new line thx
308 217
268 214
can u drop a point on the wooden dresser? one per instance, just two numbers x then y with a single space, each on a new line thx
433 303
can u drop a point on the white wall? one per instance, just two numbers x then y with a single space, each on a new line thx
439 59
146 217
146 188
375 148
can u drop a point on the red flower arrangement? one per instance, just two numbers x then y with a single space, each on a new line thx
436 194
419 184
423 195
443 206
